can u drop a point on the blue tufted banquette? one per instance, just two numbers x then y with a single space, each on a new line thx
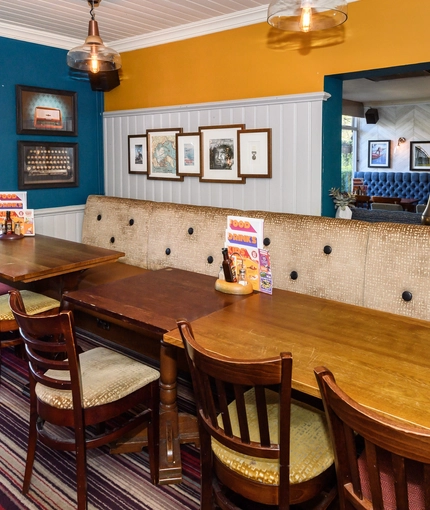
397 184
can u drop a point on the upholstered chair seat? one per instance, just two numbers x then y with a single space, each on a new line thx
311 452
106 376
35 304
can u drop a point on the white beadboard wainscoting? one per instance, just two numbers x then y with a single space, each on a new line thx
296 123
61 222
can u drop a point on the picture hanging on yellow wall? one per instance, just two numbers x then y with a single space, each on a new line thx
219 154
162 154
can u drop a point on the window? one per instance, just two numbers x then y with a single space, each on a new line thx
349 151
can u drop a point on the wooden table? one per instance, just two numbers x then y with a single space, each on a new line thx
152 302
41 258
409 204
380 359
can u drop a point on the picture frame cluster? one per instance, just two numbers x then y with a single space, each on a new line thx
379 155
223 154
46 112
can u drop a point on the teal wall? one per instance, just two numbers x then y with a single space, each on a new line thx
42 66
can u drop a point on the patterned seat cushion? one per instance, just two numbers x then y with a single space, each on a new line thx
310 447
107 376
34 304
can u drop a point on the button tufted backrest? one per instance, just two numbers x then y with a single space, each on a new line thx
119 224
378 265
397 184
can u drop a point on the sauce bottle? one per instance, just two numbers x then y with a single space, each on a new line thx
228 267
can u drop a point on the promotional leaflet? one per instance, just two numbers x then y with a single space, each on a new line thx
244 237
10 200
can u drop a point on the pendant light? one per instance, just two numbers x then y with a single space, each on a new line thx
93 56
307 15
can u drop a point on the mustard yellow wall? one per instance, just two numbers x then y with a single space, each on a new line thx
257 61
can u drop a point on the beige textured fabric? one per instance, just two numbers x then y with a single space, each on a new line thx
368 264
310 446
398 260
106 376
108 218
34 304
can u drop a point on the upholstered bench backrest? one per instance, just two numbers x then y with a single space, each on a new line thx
368 264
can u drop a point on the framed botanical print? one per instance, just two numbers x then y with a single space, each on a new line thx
162 154
219 154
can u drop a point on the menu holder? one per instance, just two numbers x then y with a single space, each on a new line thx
233 288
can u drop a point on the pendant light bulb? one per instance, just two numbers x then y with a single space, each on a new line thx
306 18
94 63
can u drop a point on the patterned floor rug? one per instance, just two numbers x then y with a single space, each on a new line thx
115 482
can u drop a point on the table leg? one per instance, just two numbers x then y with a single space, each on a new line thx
170 453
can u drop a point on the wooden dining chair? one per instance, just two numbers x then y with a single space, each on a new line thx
381 464
246 423
35 304
81 392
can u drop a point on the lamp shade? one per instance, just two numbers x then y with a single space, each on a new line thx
288 14
93 56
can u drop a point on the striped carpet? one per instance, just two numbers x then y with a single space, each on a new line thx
115 482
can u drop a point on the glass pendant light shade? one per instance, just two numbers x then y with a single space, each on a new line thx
93 56
306 15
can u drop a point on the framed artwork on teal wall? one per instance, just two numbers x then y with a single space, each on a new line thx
41 111
47 165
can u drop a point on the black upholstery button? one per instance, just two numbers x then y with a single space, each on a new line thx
327 249
112 239
167 251
294 275
131 222
266 241
407 296
99 217
210 259
191 231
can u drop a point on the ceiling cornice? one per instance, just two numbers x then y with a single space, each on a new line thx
206 27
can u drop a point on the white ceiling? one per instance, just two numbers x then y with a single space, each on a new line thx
124 24
131 24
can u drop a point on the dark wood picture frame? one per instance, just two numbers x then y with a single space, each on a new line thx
255 153
162 154
41 111
219 154
137 158
44 165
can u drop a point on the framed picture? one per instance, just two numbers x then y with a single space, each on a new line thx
420 156
219 154
162 154
137 159
45 111
47 165
255 153
188 147
379 154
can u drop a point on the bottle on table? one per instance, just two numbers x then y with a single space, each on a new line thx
242 280
228 267
8 223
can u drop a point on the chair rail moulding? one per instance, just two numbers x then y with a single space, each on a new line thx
296 125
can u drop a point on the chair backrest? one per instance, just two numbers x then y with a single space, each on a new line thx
420 208
380 463
386 200
386 207
50 344
219 380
